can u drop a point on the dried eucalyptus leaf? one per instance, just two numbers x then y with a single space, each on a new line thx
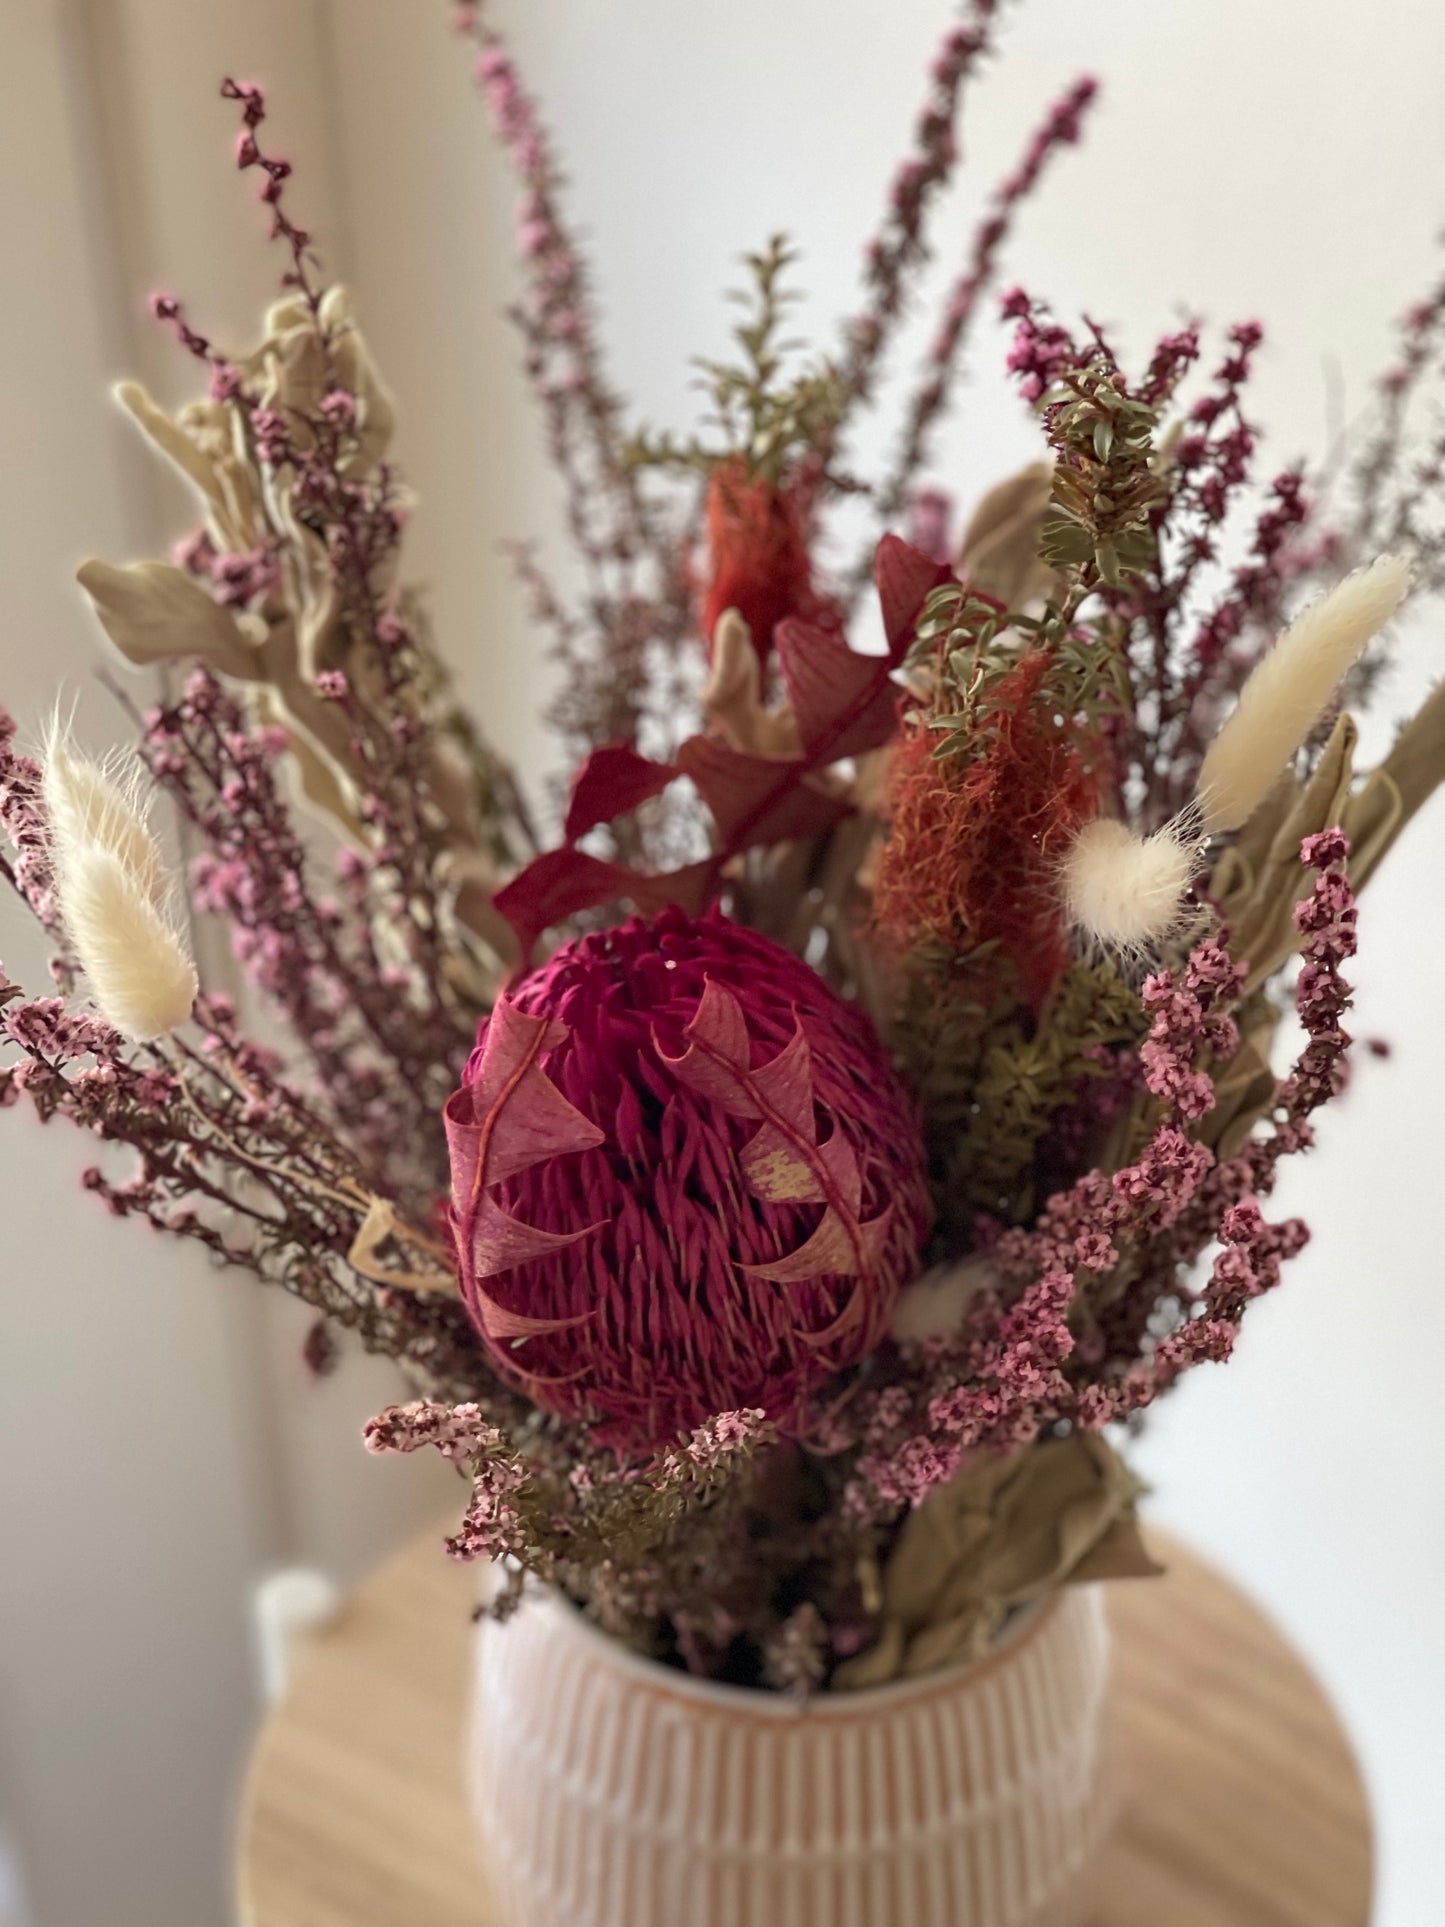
1410 773
1004 1532
999 553
179 448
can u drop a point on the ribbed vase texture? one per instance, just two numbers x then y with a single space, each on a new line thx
610 1792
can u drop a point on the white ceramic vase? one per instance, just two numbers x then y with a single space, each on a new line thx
611 1792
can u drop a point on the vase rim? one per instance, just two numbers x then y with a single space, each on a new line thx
858 1703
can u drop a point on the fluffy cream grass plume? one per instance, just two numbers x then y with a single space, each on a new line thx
1124 891
87 805
138 970
111 885
1289 690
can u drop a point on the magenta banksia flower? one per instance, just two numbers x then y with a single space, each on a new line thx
686 1177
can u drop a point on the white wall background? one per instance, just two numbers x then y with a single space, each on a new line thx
159 1445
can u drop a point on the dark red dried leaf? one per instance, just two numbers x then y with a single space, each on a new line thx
560 883
758 799
611 782
783 1161
906 578
844 703
510 1117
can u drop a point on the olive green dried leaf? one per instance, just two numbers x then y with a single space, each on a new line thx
1004 1532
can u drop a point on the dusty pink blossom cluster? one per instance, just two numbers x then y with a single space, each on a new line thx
1059 1342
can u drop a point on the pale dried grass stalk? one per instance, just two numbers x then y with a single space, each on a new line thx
1290 689
138 969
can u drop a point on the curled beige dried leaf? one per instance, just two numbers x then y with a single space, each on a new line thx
1005 1532
732 697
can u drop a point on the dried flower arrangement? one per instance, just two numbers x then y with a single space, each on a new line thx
808 1226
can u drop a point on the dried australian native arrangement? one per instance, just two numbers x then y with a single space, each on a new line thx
798 1165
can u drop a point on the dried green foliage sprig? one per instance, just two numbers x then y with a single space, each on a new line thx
769 420
967 650
1106 481
1027 1075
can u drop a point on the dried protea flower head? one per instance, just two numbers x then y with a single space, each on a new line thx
687 1179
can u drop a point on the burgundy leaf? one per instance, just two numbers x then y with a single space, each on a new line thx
611 782
906 578
775 1170
758 799
843 702
559 883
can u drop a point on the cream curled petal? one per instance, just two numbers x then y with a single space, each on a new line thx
934 1304
732 699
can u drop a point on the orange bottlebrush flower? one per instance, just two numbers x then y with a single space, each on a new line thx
973 846
758 554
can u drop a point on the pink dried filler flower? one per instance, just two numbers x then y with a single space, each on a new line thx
728 1168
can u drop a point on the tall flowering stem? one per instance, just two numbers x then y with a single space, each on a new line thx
899 247
382 1042
307 539
638 596
1396 476
1061 127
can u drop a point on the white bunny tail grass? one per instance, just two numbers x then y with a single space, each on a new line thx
113 890
139 972
89 808
1289 689
1124 892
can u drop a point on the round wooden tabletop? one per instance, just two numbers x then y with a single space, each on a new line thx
1242 1803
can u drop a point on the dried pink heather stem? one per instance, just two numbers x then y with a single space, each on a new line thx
382 1042
899 247
1397 475
1061 127
344 515
639 598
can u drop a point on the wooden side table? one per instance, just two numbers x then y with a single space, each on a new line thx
1243 1804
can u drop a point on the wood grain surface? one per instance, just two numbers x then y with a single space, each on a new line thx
1240 1802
